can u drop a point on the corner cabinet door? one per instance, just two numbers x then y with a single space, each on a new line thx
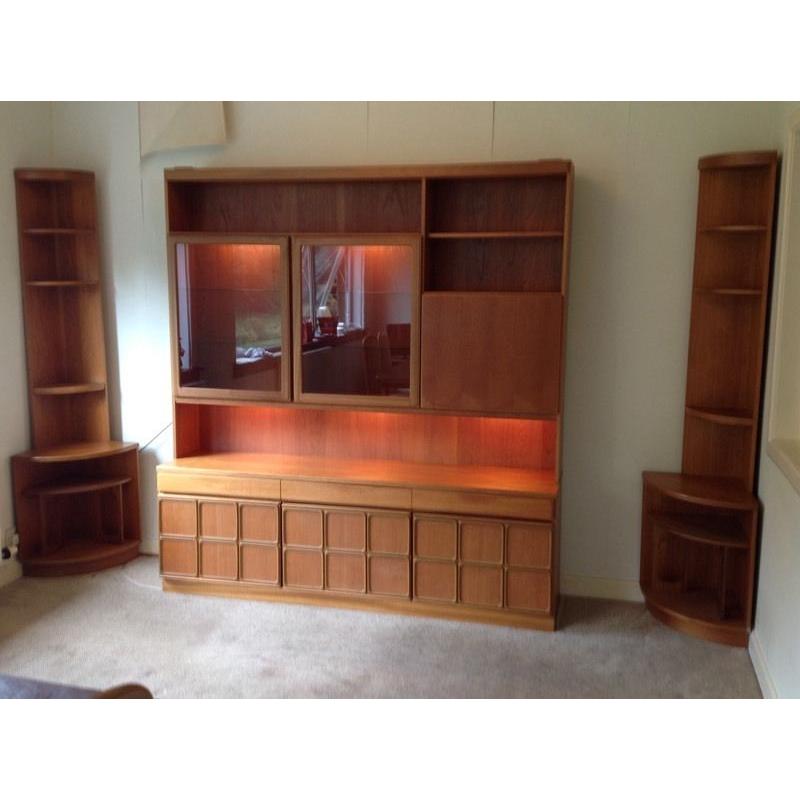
492 352
230 316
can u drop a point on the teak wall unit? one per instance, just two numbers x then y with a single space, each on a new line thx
76 492
368 372
699 527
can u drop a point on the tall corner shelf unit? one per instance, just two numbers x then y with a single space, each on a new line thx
75 492
368 372
700 527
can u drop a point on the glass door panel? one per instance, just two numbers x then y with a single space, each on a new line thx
231 303
356 320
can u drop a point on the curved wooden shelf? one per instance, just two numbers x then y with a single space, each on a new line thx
711 492
722 416
716 531
69 388
80 557
53 175
61 284
758 158
733 229
696 614
79 451
88 486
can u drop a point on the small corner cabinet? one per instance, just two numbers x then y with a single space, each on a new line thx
76 492
699 527
368 372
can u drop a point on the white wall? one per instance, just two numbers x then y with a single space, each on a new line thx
775 643
25 137
633 237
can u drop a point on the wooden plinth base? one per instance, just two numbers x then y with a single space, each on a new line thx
371 603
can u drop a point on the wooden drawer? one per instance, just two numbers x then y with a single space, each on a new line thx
345 572
219 560
483 504
345 494
218 520
187 482
259 563
302 569
258 522
529 545
177 517
435 580
178 557
302 527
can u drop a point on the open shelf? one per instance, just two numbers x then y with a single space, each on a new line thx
62 284
733 229
370 470
80 557
57 231
79 451
733 292
496 235
718 531
722 416
70 487
69 388
712 492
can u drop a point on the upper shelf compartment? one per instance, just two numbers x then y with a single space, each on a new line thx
63 203
522 205
297 206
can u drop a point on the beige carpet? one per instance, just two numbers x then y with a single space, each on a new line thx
118 626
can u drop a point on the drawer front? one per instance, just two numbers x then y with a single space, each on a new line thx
481 586
218 520
302 527
345 494
345 572
259 563
346 530
177 517
435 538
482 504
219 560
389 575
482 542
435 580
528 590
529 545
178 557
258 522
302 569
182 482
389 533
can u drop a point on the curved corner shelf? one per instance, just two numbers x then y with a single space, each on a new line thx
711 492
722 416
86 486
752 159
79 557
61 284
79 451
714 530
68 388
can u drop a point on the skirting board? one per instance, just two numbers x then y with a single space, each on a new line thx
605 588
761 667
10 570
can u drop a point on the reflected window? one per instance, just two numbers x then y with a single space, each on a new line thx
230 315
356 304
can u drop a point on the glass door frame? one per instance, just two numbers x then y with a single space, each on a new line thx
194 392
414 241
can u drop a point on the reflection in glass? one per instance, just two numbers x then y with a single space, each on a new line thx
355 330
229 304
